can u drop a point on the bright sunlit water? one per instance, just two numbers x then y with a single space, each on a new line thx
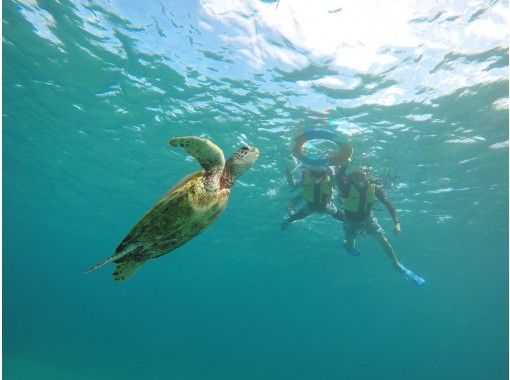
93 90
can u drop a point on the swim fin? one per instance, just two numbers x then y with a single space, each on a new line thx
413 277
352 251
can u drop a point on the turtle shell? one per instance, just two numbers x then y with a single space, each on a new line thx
183 213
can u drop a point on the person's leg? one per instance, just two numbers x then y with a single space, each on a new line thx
372 227
388 249
301 214
334 212
351 233
294 203
408 274
350 243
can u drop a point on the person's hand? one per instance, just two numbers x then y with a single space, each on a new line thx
346 152
396 228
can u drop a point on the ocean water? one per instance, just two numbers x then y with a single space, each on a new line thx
93 91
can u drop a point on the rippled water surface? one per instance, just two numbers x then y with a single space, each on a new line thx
93 90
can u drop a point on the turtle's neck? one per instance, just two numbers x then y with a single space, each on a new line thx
227 178
212 180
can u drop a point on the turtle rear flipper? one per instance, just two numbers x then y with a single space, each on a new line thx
102 263
126 269
119 254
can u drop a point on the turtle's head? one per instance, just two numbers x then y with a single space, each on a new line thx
239 164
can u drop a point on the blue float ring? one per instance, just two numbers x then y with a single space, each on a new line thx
320 134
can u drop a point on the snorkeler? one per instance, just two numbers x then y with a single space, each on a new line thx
359 194
316 190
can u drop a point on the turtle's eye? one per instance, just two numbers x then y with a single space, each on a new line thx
245 148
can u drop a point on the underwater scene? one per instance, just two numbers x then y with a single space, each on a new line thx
255 189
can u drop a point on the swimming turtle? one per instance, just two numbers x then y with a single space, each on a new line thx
186 210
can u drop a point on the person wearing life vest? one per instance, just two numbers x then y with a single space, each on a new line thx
359 194
316 188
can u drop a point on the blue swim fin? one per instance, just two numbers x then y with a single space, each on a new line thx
352 251
413 277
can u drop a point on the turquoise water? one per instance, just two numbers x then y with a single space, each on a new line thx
92 91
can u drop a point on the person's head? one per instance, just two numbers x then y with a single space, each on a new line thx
344 155
359 176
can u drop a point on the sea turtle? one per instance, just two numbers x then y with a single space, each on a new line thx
186 210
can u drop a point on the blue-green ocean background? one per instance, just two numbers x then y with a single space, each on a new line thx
93 90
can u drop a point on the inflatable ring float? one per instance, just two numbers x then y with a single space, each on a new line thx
343 153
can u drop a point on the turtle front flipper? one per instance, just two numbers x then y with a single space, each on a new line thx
126 269
209 155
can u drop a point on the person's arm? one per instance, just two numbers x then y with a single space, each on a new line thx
391 209
290 179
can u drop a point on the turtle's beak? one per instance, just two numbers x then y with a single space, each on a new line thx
254 152
248 153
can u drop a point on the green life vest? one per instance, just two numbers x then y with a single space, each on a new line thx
360 200
317 192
